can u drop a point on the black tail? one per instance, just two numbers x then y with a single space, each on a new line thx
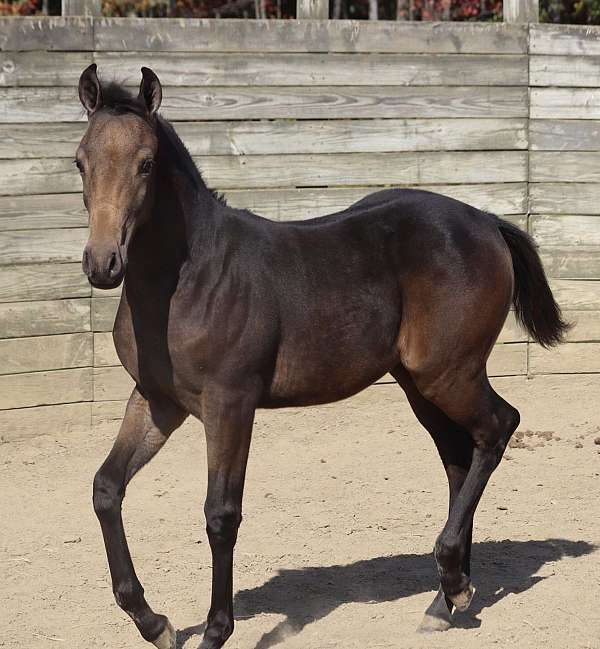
534 303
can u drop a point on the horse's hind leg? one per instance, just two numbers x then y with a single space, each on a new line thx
144 430
455 447
469 400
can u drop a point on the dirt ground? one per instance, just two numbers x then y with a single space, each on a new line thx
342 507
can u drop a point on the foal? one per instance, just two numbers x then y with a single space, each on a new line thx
223 312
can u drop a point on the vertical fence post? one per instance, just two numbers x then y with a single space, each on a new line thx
315 9
81 7
521 11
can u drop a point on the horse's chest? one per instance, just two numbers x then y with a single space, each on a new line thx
161 352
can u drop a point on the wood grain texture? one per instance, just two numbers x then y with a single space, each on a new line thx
586 326
564 135
566 166
357 169
42 353
43 318
32 282
204 35
577 295
34 176
42 68
105 354
521 11
564 39
46 33
42 211
40 105
566 359
565 103
329 69
508 360
565 198
40 140
112 384
56 420
103 312
567 71
37 246
569 245
290 136
45 388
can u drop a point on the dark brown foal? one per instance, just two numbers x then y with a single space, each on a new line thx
223 312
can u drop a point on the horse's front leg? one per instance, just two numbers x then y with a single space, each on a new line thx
144 430
228 415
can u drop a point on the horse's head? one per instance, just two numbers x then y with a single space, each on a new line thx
116 159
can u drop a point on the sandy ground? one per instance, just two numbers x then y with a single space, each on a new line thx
342 507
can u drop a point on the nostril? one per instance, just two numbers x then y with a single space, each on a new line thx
112 263
85 262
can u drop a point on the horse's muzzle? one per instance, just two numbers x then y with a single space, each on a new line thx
103 265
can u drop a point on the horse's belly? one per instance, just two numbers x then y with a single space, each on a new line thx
309 375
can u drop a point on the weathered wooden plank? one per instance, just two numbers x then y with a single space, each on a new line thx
355 136
24 105
312 9
512 332
44 318
202 35
81 7
577 295
565 198
45 388
289 136
564 135
565 103
41 212
521 11
569 245
57 420
564 39
224 172
185 69
297 204
40 140
112 384
42 68
569 71
33 176
564 166
355 169
104 310
46 33
37 246
565 359
43 353
586 326
508 360
105 354
107 413
42 282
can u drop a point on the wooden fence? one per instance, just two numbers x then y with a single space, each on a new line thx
291 119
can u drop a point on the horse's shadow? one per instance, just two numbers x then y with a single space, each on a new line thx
309 594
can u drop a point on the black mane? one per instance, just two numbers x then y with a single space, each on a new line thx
118 99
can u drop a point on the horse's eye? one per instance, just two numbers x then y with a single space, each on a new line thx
146 167
79 165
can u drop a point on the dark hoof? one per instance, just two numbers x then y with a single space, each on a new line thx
431 624
463 599
167 639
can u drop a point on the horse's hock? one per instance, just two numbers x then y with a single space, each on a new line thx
291 118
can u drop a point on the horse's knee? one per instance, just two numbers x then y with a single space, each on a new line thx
107 494
128 594
222 523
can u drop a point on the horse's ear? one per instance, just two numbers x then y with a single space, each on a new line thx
150 91
90 93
